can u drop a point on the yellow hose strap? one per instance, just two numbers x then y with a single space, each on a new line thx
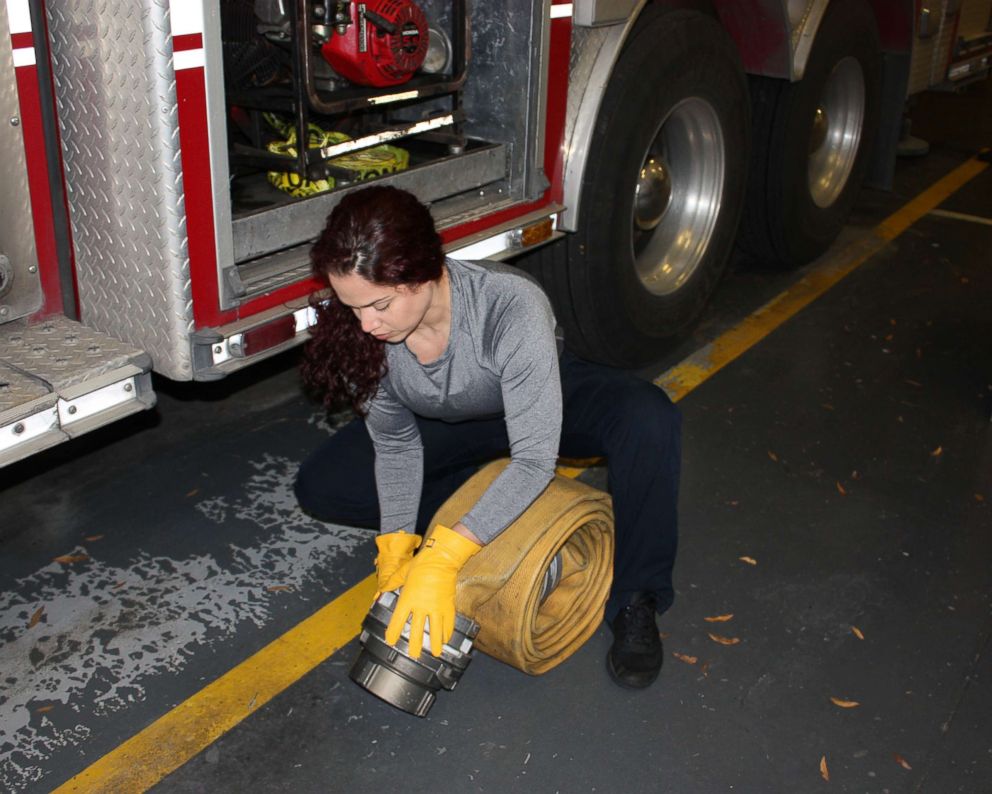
500 586
370 163
365 164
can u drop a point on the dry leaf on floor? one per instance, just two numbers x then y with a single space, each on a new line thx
719 618
979 497
937 452
93 538
824 772
748 560
194 492
828 406
279 588
43 709
685 658
840 489
68 559
724 640
857 632
773 456
36 617
901 761
844 704
119 585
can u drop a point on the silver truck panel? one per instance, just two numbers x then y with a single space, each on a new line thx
20 287
116 94
220 173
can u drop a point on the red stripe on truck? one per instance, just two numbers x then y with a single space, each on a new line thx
187 41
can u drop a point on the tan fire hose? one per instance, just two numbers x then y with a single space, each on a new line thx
500 587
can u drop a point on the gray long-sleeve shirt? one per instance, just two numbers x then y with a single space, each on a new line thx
501 359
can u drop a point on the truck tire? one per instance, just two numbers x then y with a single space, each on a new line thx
812 142
661 195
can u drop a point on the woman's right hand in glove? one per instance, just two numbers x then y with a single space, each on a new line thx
428 595
393 561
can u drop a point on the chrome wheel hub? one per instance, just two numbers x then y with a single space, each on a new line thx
653 194
678 196
836 132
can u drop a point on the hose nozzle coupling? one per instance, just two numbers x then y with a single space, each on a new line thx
390 673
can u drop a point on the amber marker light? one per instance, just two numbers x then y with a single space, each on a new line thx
539 232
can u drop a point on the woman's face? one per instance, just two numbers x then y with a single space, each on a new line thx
388 313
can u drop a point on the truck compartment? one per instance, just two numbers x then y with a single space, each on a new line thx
447 113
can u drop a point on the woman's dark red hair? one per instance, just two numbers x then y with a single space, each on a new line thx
384 235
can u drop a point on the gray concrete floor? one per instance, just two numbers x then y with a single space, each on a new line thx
187 523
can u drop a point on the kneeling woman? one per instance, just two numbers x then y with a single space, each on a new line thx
450 364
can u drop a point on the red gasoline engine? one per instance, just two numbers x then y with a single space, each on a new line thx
383 44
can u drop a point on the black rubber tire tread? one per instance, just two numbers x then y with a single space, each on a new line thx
607 314
782 227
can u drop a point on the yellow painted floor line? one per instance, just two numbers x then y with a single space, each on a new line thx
193 725
962 216
710 359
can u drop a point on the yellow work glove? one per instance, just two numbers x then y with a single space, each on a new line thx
429 591
395 552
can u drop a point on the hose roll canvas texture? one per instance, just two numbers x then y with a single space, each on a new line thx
500 587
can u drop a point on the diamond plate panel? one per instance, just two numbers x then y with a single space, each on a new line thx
116 94
20 287
62 353
17 388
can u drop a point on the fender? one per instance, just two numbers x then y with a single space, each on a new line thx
594 53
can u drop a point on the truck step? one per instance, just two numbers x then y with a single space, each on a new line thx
59 379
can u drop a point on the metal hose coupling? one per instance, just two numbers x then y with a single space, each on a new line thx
390 673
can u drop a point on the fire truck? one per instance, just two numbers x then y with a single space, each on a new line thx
167 163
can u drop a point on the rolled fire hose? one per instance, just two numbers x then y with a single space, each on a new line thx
501 587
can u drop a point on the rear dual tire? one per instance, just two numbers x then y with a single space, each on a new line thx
812 142
662 192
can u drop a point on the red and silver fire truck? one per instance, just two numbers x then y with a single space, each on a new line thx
168 162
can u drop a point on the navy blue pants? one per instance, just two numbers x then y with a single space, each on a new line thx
607 412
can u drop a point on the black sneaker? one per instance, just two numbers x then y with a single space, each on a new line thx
635 658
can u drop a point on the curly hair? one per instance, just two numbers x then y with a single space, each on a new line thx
386 236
